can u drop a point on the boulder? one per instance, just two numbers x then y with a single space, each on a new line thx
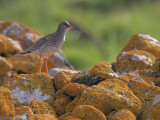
40 107
60 104
122 114
22 113
5 69
88 112
74 89
7 110
9 46
28 87
62 78
149 95
98 73
134 60
42 117
143 42
110 94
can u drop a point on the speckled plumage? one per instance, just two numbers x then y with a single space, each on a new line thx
49 44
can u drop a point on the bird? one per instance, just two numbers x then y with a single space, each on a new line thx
49 44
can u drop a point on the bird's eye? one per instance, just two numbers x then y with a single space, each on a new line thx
65 24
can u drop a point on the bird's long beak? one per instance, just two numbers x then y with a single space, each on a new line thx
70 27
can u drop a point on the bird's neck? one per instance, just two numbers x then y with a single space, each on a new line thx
61 32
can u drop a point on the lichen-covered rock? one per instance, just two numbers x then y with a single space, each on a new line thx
24 63
134 60
25 35
143 42
70 106
74 89
156 67
122 114
8 46
60 104
62 78
98 73
22 113
70 118
149 96
39 107
5 69
88 112
42 117
62 117
28 87
53 71
7 109
111 94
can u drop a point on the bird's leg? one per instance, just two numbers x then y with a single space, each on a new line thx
46 65
39 65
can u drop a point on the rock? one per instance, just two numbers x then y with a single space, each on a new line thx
122 114
156 67
62 117
70 118
42 117
8 46
60 104
7 110
22 113
25 35
5 69
53 71
39 107
143 42
74 89
149 96
98 73
24 64
28 87
88 112
70 106
135 60
62 78
110 94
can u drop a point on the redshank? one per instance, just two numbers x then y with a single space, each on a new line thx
49 44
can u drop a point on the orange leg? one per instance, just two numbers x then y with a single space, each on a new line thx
39 65
46 65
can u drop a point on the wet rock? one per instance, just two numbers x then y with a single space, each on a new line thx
7 110
88 112
28 87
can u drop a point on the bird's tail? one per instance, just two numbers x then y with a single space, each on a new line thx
25 52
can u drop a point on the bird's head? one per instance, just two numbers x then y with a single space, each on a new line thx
64 26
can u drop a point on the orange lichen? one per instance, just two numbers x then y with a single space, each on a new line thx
24 63
143 42
6 103
8 46
135 60
61 79
70 118
88 112
74 89
27 87
107 96
5 69
60 104
39 107
64 115
122 114
42 117
70 106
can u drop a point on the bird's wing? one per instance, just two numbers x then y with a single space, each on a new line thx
39 43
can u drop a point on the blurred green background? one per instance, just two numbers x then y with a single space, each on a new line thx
106 25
